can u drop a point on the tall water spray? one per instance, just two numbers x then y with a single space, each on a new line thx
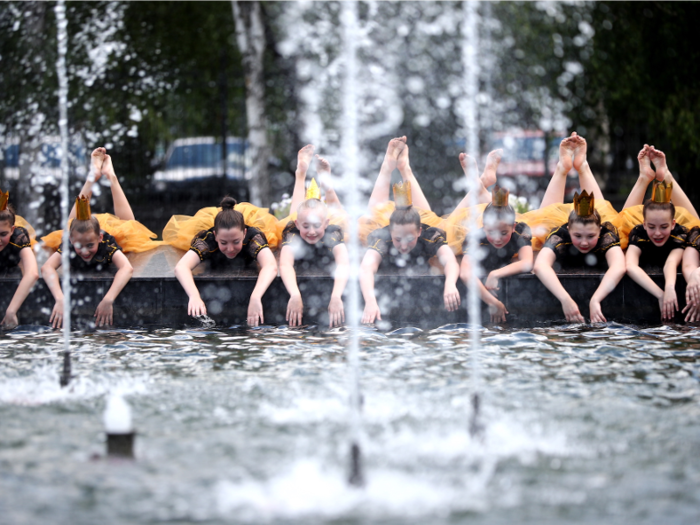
350 174
62 25
470 42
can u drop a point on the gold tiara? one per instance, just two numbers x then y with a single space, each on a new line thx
82 208
584 204
4 197
402 194
499 196
661 191
313 192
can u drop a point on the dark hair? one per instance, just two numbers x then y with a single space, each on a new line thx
404 215
92 224
593 218
8 214
650 205
496 214
228 218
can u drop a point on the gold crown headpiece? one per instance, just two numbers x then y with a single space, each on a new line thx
313 191
4 197
499 196
402 194
661 191
82 208
584 203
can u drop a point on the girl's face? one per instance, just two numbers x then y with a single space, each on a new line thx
312 224
584 237
6 230
658 225
404 237
86 244
230 241
499 234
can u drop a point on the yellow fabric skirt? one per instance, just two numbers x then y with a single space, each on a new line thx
181 229
132 236
19 221
634 215
380 214
336 216
456 225
544 220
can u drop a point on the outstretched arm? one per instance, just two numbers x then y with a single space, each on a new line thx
368 269
30 275
449 263
691 273
641 277
545 272
267 274
50 275
496 308
522 265
336 312
670 304
183 272
104 311
615 273
295 306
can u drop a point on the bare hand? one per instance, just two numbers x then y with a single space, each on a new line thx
491 284
668 304
597 313
571 312
371 313
295 310
692 293
56 318
10 321
336 312
692 313
104 313
196 307
451 297
255 312
498 312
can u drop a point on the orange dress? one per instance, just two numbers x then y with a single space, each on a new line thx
132 236
380 214
634 215
181 229
544 220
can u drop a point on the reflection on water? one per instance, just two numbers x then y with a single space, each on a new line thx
251 426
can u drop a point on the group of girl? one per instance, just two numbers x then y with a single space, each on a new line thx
404 234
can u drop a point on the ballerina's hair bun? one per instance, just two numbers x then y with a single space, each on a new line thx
228 218
228 202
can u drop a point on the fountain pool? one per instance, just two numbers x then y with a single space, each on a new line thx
251 426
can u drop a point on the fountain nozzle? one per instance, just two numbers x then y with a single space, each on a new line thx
357 478
120 433
476 429
66 373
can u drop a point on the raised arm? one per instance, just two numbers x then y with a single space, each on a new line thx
612 277
295 306
267 274
336 312
544 269
183 272
30 275
104 311
368 269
